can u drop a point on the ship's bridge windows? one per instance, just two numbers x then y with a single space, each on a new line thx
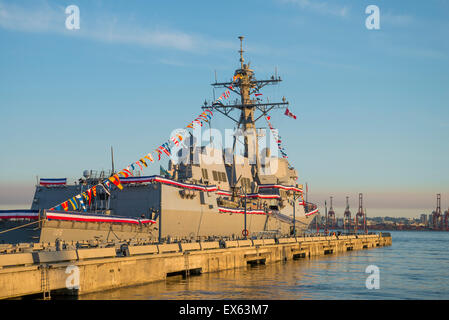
223 176
269 191
219 176
204 173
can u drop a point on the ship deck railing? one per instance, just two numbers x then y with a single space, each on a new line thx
120 246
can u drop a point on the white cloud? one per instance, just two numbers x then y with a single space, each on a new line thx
320 7
402 20
51 19
144 37
172 62
394 46
43 19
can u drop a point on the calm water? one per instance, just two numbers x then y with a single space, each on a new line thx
416 266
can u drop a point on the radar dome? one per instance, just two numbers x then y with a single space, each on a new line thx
86 174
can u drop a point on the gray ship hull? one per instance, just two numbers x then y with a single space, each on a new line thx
199 217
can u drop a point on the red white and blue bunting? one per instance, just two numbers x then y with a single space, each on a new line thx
278 186
53 182
75 216
224 193
19 214
209 188
312 212
240 210
261 196
143 179
152 179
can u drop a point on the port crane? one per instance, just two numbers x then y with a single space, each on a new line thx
360 214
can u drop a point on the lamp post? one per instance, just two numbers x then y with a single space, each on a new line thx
325 207
294 213
245 232
160 225
294 216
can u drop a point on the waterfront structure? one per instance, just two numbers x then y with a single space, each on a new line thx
423 219
437 216
45 271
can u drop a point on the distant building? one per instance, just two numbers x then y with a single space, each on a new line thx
423 219
340 222
322 219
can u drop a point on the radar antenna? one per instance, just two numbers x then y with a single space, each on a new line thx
241 51
112 160
245 84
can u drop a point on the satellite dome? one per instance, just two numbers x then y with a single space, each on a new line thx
86 174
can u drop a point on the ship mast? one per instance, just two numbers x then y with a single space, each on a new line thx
245 85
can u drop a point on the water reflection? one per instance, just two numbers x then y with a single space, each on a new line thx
415 267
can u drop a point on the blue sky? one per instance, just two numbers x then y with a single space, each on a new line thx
372 105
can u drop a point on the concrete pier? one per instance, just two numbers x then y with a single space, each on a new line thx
95 269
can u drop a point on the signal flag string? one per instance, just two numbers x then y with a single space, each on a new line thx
77 202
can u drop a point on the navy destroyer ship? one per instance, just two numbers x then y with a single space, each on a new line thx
253 194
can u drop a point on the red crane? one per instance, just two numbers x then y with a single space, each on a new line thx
360 214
